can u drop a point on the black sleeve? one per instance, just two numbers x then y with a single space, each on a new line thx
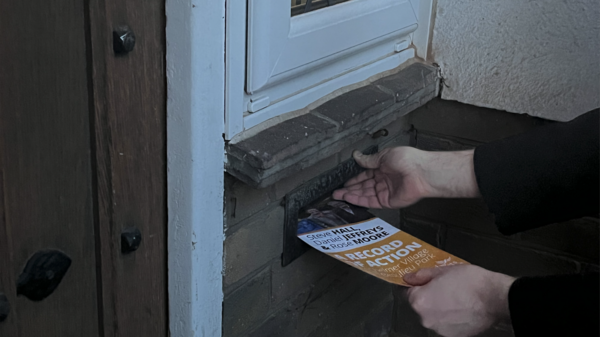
547 175
565 305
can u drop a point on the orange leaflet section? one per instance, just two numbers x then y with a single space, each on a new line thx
379 249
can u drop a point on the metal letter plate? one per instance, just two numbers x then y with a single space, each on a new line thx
308 193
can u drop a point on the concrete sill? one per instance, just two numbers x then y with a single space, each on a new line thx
289 147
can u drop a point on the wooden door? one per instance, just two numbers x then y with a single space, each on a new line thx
82 158
45 164
130 122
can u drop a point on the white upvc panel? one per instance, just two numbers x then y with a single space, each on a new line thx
279 44
304 98
424 11
235 71
349 60
276 63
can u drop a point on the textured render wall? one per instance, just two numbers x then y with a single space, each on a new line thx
541 58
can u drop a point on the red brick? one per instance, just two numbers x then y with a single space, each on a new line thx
471 122
503 256
243 201
429 142
247 306
579 237
298 276
253 245
406 322
424 230
471 214
340 297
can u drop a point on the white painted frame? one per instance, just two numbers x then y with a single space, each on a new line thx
295 89
203 84
235 60
281 47
425 15
312 94
195 35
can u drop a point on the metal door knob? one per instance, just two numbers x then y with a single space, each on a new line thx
42 274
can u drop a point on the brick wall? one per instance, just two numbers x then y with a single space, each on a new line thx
465 227
313 296
318 296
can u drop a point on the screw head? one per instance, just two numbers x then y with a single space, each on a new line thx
131 238
380 133
123 40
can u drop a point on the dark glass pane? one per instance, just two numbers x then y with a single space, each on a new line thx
305 6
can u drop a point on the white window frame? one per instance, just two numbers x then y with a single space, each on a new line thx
276 63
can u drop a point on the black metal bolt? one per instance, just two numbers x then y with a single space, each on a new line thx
4 307
380 133
123 40
131 238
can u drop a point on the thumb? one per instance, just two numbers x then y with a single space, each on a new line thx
367 161
422 277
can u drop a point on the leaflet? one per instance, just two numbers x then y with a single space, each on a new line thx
354 236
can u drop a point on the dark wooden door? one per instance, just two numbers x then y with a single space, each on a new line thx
130 122
45 164
82 158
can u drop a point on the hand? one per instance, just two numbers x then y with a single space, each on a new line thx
460 301
401 176
394 179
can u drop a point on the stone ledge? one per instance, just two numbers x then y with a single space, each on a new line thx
289 147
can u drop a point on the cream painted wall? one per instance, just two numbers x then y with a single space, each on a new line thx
540 57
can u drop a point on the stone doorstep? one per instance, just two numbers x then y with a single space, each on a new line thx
286 148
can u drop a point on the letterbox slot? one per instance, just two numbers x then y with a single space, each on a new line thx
317 188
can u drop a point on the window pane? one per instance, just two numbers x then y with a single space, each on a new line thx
305 6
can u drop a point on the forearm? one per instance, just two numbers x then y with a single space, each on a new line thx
449 174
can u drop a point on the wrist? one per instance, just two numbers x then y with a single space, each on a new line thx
449 174
498 297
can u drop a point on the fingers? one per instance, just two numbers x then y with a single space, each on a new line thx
368 161
410 293
422 277
363 176
360 198
371 194
363 194
365 190
339 194
383 194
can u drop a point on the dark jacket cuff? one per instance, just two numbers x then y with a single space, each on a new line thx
563 305
544 176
